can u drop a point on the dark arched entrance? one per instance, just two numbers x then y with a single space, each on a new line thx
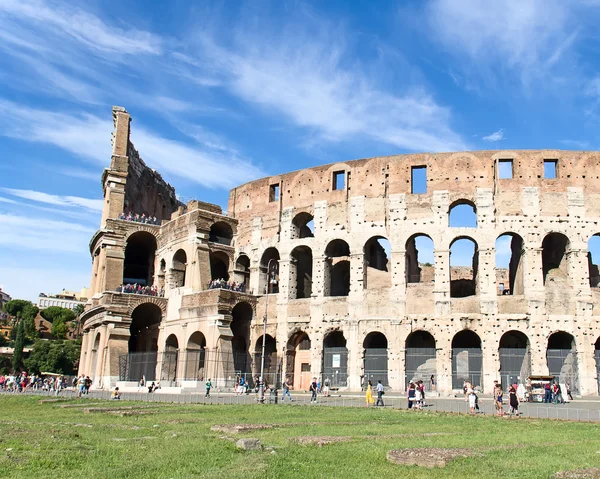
240 342
420 357
562 359
597 356
515 358
467 360
271 372
196 356
376 358
141 360
179 268
138 266
169 359
221 233
335 359
298 360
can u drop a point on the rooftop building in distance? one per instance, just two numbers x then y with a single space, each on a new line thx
64 299
4 297
329 258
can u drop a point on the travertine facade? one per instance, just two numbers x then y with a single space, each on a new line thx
343 305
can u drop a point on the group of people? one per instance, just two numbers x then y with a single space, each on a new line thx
140 289
23 382
553 393
369 395
83 384
222 284
416 394
148 220
513 398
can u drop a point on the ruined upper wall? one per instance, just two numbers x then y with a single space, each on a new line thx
129 184
460 174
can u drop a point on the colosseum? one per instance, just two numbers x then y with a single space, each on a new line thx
330 262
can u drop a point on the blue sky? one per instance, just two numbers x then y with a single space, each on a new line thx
226 92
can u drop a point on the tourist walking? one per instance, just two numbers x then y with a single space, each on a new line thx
514 401
418 396
380 393
470 396
369 395
286 390
498 400
411 394
313 390
208 387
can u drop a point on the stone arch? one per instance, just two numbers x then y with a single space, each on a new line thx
303 226
95 354
463 277
555 266
143 342
138 265
271 363
514 350
465 165
221 233
195 357
420 357
301 272
219 265
375 364
269 271
561 356
170 358
509 264
593 266
241 270
597 357
178 268
298 360
420 260
328 175
305 183
335 359
135 301
337 268
462 213
467 359
241 314
377 263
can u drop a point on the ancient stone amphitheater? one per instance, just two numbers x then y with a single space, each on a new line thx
328 259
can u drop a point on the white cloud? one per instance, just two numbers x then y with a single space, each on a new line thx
71 22
577 144
57 200
308 79
496 136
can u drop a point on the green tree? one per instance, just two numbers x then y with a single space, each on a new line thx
78 309
60 357
17 358
27 311
61 319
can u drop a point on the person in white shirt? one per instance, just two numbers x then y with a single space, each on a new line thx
380 394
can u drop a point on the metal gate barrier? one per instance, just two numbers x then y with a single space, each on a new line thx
335 366
562 363
420 365
515 365
376 365
467 364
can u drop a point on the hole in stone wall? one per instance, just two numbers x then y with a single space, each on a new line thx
418 179
550 169
303 226
178 269
509 264
219 265
301 272
377 265
337 268
269 271
593 260
554 258
464 258
420 260
338 180
274 193
462 214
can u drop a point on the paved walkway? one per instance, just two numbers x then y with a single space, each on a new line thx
587 409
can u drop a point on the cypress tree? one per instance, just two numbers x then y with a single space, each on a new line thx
17 358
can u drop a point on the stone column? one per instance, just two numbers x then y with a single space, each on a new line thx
320 277
441 292
84 353
586 366
284 281
355 357
443 360
491 363
357 274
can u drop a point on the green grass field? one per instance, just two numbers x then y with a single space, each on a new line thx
46 440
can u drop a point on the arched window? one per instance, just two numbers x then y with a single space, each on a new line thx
301 272
337 268
594 260
509 264
462 214
303 226
196 357
138 266
219 265
221 233
555 265
377 264
376 358
420 357
562 359
335 360
169 359
464 260
240 342
242 270
179 268
298 361
269 271
419 260
467 360
515 358
270 371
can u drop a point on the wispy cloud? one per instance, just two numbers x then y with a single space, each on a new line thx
303 74
578 144
496 136
57 200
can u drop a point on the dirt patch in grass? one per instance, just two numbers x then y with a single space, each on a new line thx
427 456
237 428
119 410
320 440
589 473
48 401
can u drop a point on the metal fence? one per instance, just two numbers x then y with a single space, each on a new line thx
376 365
335 366
597 356
562 363
420 365
467 364
515 365
183 368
